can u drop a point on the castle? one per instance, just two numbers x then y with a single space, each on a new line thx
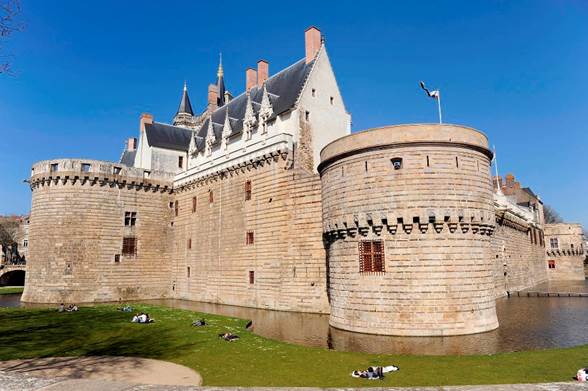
268 200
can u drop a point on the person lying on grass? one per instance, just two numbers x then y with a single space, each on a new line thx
142 318
199 323
228 337
374 372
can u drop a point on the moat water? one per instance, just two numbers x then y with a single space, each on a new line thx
526 323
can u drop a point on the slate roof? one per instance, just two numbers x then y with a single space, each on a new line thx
283 88
185 105
128 158
168 136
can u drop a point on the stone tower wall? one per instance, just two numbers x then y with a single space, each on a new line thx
287 256
435 216
77 228
524 257
568 257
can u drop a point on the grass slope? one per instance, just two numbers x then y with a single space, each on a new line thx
254 360
7 290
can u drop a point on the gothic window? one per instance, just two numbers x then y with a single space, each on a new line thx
247 190
194 204
551 264
249 238
129 246
130 219
553 242
371 256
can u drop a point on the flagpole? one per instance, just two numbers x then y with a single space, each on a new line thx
439 107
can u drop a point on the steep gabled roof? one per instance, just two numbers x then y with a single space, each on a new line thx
128 158
283 88
167 136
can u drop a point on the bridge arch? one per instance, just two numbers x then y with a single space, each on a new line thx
12 277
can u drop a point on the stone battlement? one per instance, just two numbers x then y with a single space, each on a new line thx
98 171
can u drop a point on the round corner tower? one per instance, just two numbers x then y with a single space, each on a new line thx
98 232
408 214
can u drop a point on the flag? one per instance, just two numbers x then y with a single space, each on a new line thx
433 94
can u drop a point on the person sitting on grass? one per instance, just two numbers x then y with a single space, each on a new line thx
228 337
61 307
72 308
374 372
199 323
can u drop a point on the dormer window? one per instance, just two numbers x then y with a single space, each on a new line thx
54 167
86 167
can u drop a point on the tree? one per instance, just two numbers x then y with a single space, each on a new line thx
8 234
9 10
551 215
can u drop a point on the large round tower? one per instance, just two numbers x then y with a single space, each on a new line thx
408 214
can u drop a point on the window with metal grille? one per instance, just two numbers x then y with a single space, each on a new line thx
130 219
176 208
553 242
247 190
194 204
129 246
551 264
371 256
249 237
251 277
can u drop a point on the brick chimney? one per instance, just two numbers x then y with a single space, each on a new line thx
250 78
146 118
131 144
262 72
212 97
312 42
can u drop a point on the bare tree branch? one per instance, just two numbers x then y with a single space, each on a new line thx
9 11
551 215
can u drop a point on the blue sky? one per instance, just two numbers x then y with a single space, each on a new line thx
513 69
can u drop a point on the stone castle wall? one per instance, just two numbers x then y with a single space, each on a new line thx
435 216
77 228
284 268
567 258
517 254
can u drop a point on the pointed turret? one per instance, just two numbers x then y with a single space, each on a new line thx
185 115
220 82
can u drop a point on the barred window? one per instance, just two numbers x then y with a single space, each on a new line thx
371 256
130 219
251 277
247 190
129 246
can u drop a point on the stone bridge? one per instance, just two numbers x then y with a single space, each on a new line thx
12 274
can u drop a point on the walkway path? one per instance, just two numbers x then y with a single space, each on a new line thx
95 373
557 289
14 381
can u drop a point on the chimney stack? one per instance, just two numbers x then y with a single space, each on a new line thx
146 118
131 144
250 79
212 97
312 42
262 72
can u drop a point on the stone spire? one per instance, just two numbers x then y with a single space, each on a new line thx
185 115
227 131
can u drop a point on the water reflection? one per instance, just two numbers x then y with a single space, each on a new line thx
525 323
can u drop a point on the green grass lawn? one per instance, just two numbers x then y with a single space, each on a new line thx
6 290
254 360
